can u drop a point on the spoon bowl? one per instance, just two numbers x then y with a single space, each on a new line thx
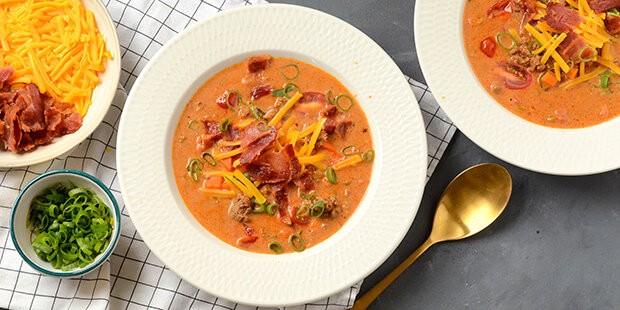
470 203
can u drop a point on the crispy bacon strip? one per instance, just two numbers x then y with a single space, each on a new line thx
600 6
561 18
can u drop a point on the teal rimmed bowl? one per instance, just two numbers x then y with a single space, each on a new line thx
22 236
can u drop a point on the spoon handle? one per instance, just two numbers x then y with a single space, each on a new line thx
369 297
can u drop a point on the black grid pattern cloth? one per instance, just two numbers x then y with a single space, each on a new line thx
133 278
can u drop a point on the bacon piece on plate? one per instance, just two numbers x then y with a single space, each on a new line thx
5 73
340 127
261 91
32 116
213 133
612 24
275 167
312 96
560 17
257 146
600 6
258 63
14 131
7 97
573 44
304 181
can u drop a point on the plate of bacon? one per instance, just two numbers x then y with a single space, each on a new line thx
56 87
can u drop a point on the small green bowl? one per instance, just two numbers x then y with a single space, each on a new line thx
22 236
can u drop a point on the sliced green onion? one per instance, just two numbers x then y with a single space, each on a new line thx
261 207
604 80
72 229
505 34
282 92
287 87
290 66
368 155
191 123
271 209
238 98
194 167
224 125
291 241
275 247
327 97
303 211
318 209
209 159
589 59
572 64
263 128
256 112
77 190
331 176
307 197
337 101
350 150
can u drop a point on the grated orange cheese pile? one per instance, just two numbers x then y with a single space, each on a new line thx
55 45
592 30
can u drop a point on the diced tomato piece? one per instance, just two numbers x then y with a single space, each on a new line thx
300 220
500 9
250 239
249 231
488 47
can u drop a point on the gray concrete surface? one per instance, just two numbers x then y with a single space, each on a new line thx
557 245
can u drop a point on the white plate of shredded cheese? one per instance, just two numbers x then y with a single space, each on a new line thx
57 62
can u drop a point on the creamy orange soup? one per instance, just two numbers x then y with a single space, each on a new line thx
272 155
571 81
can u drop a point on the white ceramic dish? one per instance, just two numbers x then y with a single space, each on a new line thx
102 99
188 61
22 237
439 43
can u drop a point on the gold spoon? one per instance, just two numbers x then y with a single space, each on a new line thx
472 201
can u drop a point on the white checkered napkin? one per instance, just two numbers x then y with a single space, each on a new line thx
134 278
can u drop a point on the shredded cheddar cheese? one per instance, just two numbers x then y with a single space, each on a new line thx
218 192
585 77
542 38
609 64
278 117
351 161
312 159
551 49
315 135
55 45
232 153
250 186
